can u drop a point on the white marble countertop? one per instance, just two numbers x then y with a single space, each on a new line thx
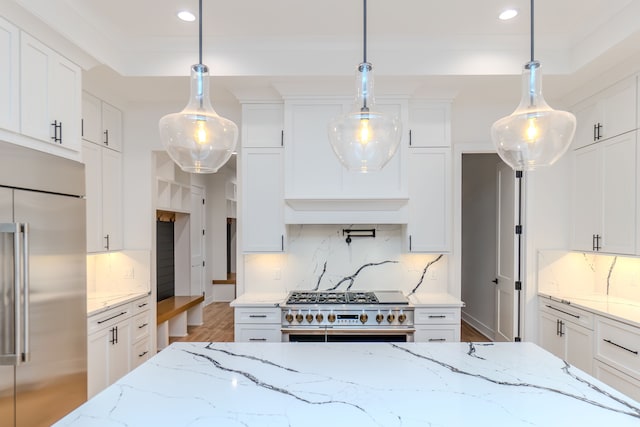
356 384
620 309
99 302
255 299
424 299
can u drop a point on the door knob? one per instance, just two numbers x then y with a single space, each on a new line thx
495 280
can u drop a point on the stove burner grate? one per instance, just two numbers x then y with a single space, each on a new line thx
312 297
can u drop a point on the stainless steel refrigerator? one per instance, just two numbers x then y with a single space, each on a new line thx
43 319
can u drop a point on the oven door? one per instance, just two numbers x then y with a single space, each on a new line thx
347 335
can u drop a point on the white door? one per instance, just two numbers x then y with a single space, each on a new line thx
506 303
197 240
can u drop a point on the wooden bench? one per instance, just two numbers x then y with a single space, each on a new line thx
175 314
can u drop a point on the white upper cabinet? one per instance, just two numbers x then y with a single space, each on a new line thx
312 169
103 180
604 196
262 125
262 172
429 124
429 227
262 201
9 70
608 114
50 88
101 122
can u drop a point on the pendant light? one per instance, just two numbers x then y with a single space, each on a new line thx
534 135
365 139
197 138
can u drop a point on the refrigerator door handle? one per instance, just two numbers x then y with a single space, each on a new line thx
11 357
26 352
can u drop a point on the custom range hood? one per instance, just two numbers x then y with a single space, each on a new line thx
346 210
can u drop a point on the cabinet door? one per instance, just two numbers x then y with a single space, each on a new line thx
120 351
112 210
111 127
262 125
619 109
312 168
262 200
92 158
549 336
35 79
619 194
429 200
98 361
578 346
66 100
91 118
9 70
429 124
587 117
587 196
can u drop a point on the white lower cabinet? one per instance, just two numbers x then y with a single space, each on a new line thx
617 356
438 324
567 332
118 341
620 381
257 324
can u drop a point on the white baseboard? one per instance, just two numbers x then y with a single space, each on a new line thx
478 325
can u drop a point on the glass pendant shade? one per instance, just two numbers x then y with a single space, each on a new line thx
365 139
197 138
534 135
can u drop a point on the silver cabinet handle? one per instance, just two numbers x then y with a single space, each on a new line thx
562 311
441 316
258 316
257 339
437 339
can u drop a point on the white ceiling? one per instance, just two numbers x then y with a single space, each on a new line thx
449 46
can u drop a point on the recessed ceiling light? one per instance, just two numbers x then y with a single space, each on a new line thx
508 14
186 16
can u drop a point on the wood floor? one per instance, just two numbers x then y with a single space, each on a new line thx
218 327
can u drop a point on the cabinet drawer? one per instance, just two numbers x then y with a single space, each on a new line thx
567 312
618 345
108 318
257 315
437 334
258 333
434 316
141 326
616 379
141 304
140 353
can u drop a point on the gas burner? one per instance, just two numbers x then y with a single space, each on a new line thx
322 297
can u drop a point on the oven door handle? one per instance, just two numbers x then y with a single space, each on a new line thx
330 329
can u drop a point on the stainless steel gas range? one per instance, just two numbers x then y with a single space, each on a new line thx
347 316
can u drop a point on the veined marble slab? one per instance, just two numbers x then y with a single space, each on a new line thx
356 384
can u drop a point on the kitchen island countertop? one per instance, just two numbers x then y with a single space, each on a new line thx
356 384
620 309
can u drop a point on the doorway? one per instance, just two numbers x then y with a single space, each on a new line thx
488 260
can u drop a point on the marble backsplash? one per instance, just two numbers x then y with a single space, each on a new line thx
319 258
576 273
122 272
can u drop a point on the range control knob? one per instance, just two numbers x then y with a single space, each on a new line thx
364 317
309 317
402 317
379 317
299 317
319 317
289 317
391 317
331 317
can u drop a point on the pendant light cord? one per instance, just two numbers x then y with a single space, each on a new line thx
364 15
200 31
532 57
